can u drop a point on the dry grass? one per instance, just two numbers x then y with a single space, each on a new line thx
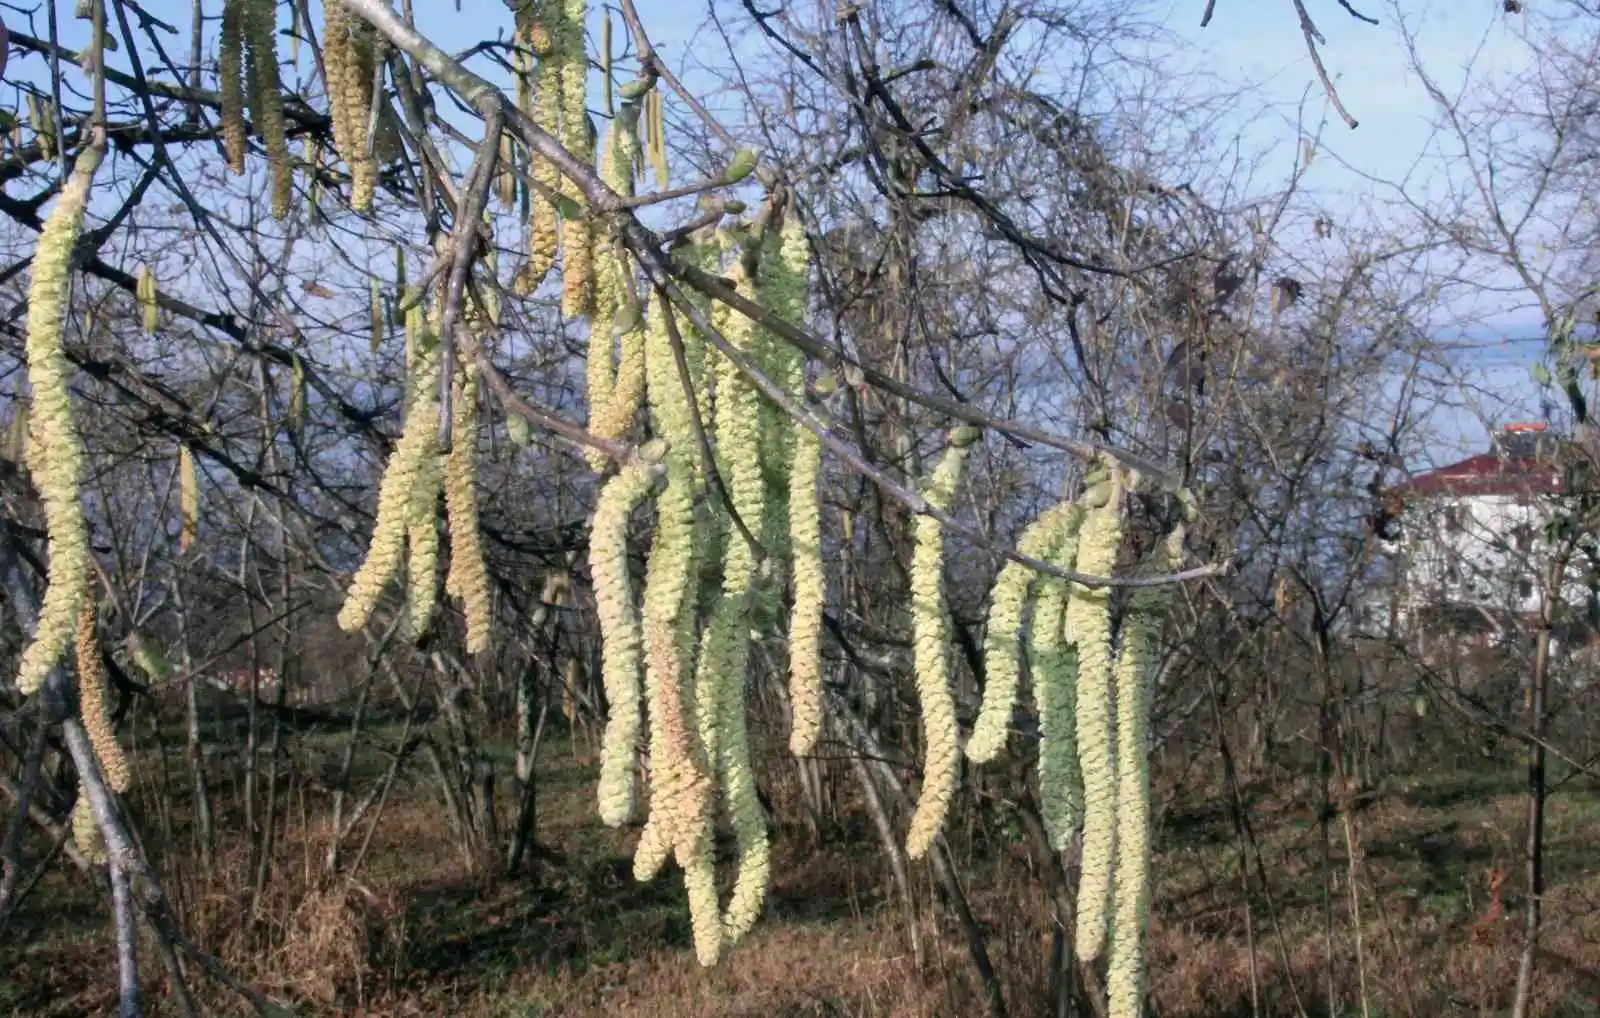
579 937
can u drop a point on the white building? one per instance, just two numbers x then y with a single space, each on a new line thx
1472 539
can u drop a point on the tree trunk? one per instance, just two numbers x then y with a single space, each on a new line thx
1538 685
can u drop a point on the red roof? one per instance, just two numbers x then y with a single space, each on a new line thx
1486 474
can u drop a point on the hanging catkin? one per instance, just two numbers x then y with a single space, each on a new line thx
92 706
1001 646
188 499
468 579
930 621
1136 665
577 233
422 509
680 794
1055 691
543 226
615 391
726 647
413 456
56 457
619 628
266 96
1089 625
146 291
230 83
347 56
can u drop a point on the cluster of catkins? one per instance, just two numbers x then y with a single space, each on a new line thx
1093 705
247 69
675 659
406 530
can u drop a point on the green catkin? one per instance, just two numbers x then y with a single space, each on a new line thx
619 632
413 457
468 578
230 83
1136 664
266 97
1001 646
1089 624
1055 689
56 451
941 769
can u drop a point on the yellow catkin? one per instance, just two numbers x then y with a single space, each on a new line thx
56 462
375 313
348 53
781 290
615 391
92 706
1089 626
411 458
1055 691
422 509
619 633
720 684
148 309
468 579
1136 665
810 595
86 832
1002 644
941 768
230 83
680 786
577 234
266 97
188 499
543 225
506 174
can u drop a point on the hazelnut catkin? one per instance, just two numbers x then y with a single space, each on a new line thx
230 83
941 769
56 457
92 706
1089 627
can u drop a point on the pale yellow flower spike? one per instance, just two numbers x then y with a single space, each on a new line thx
92 707
680 787
1002 661
422 511
188 499
725 653
1140 655
85 832
347 55
408 462
543 228
230 83
1089 625
577 235
1055 692
941 768
468 579
266 97
57 459
619 632
810 595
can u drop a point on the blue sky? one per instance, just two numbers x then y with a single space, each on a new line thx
1250 43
